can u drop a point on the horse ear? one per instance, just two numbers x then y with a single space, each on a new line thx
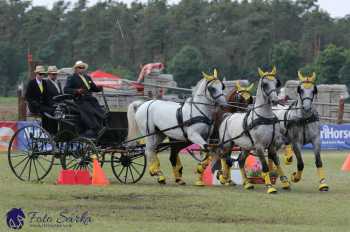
250 87
313 77
315 90
261 73
274 71
238 86
207 77
215 73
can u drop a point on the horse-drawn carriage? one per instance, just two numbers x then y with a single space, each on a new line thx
32 151
260 128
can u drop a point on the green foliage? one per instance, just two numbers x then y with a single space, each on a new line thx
286 57
234 36
186 66
328 64
344 72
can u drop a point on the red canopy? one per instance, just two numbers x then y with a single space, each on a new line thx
100 74
106 80
111 81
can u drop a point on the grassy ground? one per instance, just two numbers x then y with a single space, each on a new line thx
146 206
8 108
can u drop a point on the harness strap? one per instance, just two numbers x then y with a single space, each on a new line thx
246 128
147 126
285 118
180 121
197 119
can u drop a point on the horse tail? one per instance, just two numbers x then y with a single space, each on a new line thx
133 129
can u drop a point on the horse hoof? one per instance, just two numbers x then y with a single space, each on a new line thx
161 180
180 182
323 188
285 183
222 180
294 178
248 186
271 190
230 183
286 186
199 183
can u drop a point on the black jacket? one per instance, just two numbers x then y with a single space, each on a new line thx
35 97
52 91
74 83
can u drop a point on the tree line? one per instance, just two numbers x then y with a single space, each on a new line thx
188 37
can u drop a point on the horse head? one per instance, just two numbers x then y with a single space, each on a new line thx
243 94
307 90
269 84
214 88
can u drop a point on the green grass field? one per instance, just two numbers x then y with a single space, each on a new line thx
8 108
146 206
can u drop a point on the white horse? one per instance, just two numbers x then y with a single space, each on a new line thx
191 121
300 125
258 129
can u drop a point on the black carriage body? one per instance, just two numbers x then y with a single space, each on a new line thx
37 156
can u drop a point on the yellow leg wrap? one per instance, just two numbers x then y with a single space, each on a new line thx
178 168
283 178
200 170
288 155
296 176
223 178
323 187
177 171
246 183
266 177
320 173
154 167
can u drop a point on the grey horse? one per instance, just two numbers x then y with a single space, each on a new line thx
300 124
258 129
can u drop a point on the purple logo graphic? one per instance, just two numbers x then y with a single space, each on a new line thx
15 218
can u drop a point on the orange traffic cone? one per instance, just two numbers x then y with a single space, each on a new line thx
66 177
346 164
207 177
98 176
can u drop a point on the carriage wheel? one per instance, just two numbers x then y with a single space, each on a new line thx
30 153
130 166
78 154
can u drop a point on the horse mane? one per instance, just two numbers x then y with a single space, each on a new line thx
197 86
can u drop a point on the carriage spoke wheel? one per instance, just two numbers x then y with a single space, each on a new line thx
130 166
30 153
78 154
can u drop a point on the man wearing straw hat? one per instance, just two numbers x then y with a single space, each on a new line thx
82 86
36 96
53 86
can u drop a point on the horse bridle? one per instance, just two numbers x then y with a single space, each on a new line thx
272 90
207 87
306 98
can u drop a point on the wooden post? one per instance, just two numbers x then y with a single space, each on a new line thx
22 107
341 110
